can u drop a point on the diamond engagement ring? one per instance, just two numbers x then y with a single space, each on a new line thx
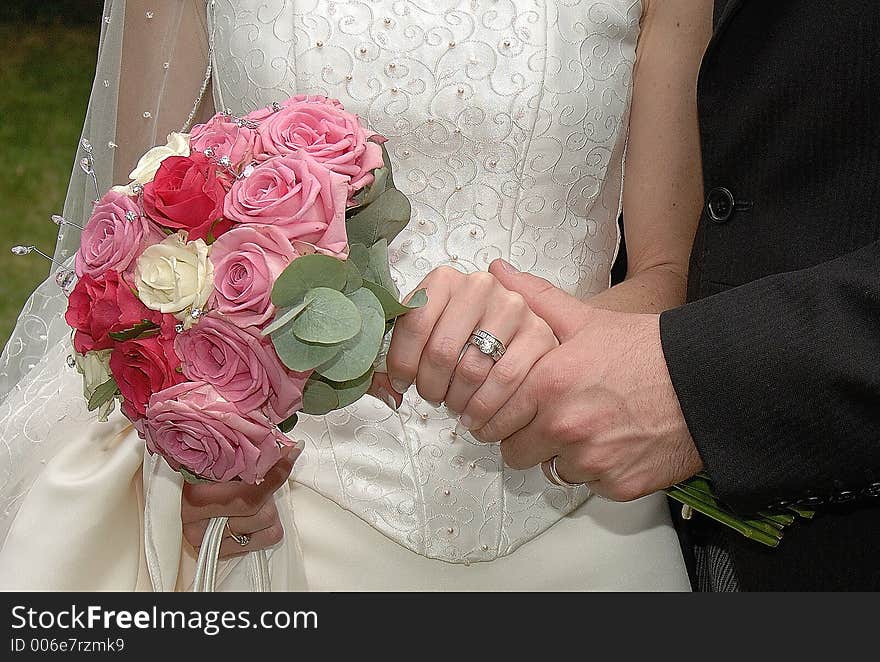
487 344
555 478
242 539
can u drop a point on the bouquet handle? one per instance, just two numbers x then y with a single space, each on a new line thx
206 567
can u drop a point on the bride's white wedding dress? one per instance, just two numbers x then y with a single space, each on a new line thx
507 126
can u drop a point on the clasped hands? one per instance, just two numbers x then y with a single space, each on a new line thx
584 385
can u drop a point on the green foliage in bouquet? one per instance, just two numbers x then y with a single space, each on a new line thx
333 315
696 494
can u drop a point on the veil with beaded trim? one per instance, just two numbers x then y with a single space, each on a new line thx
151 76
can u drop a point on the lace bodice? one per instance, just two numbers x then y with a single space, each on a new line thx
507 126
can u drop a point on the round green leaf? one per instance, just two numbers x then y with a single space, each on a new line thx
301 356
390 305
319 398
306 273
358 354
353 390
283 316
329 318
354 280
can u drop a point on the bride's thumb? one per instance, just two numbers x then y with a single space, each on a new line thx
557 308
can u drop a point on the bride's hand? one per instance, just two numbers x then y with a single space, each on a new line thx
428 342
250 508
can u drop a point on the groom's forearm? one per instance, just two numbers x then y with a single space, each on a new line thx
779 381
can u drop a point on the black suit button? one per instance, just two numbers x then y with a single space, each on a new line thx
811 501
844 496
720 204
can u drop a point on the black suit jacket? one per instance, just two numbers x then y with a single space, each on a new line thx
776 362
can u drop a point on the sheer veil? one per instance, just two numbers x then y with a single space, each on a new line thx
151 78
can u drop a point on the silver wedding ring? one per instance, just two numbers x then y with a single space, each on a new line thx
555 478
487 344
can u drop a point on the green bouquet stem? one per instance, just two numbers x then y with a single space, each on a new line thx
763 527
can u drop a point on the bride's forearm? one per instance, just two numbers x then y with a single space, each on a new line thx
651 290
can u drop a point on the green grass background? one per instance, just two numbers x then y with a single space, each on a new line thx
45 77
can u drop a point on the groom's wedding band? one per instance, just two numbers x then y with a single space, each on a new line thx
555 478
487 344
242 539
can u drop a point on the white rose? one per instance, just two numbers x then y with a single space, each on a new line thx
95 369
175 276
145 170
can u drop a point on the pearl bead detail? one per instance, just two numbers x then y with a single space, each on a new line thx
319 44
392 66
460 91
387 21
149 15
450 530
485 548
506 43
348 77
473 233
362 50
445 492
451 44
147 114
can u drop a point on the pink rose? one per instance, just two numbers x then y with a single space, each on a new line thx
193 427
247 261
299 196
110 240
225 137
242 366
321 128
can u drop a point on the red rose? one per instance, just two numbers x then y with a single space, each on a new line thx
142 367
98 307
187 194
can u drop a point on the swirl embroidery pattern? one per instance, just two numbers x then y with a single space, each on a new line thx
507 128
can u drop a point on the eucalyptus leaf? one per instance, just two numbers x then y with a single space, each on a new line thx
358 354
284 316
305 273
359 255
301 356
319 398
385 218
330 318
354 280
103 394
380 267
352 390
288 423
390 305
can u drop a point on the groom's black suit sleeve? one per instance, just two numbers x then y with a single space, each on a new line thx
779 382
776 360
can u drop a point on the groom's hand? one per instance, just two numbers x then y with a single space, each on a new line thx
602 401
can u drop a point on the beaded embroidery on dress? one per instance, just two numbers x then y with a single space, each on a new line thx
507 127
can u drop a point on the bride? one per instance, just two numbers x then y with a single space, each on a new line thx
510 127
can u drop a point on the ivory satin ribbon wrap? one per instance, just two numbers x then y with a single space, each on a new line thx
104 514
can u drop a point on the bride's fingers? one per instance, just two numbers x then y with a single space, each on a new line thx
206 500
440 359
475 367
380 388
267 516
411 333
528 346
259 540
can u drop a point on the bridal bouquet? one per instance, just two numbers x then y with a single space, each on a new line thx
241 277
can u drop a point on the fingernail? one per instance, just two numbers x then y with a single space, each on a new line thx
300 445
465 422
433 404
387 398
508 267
460 430
399 385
